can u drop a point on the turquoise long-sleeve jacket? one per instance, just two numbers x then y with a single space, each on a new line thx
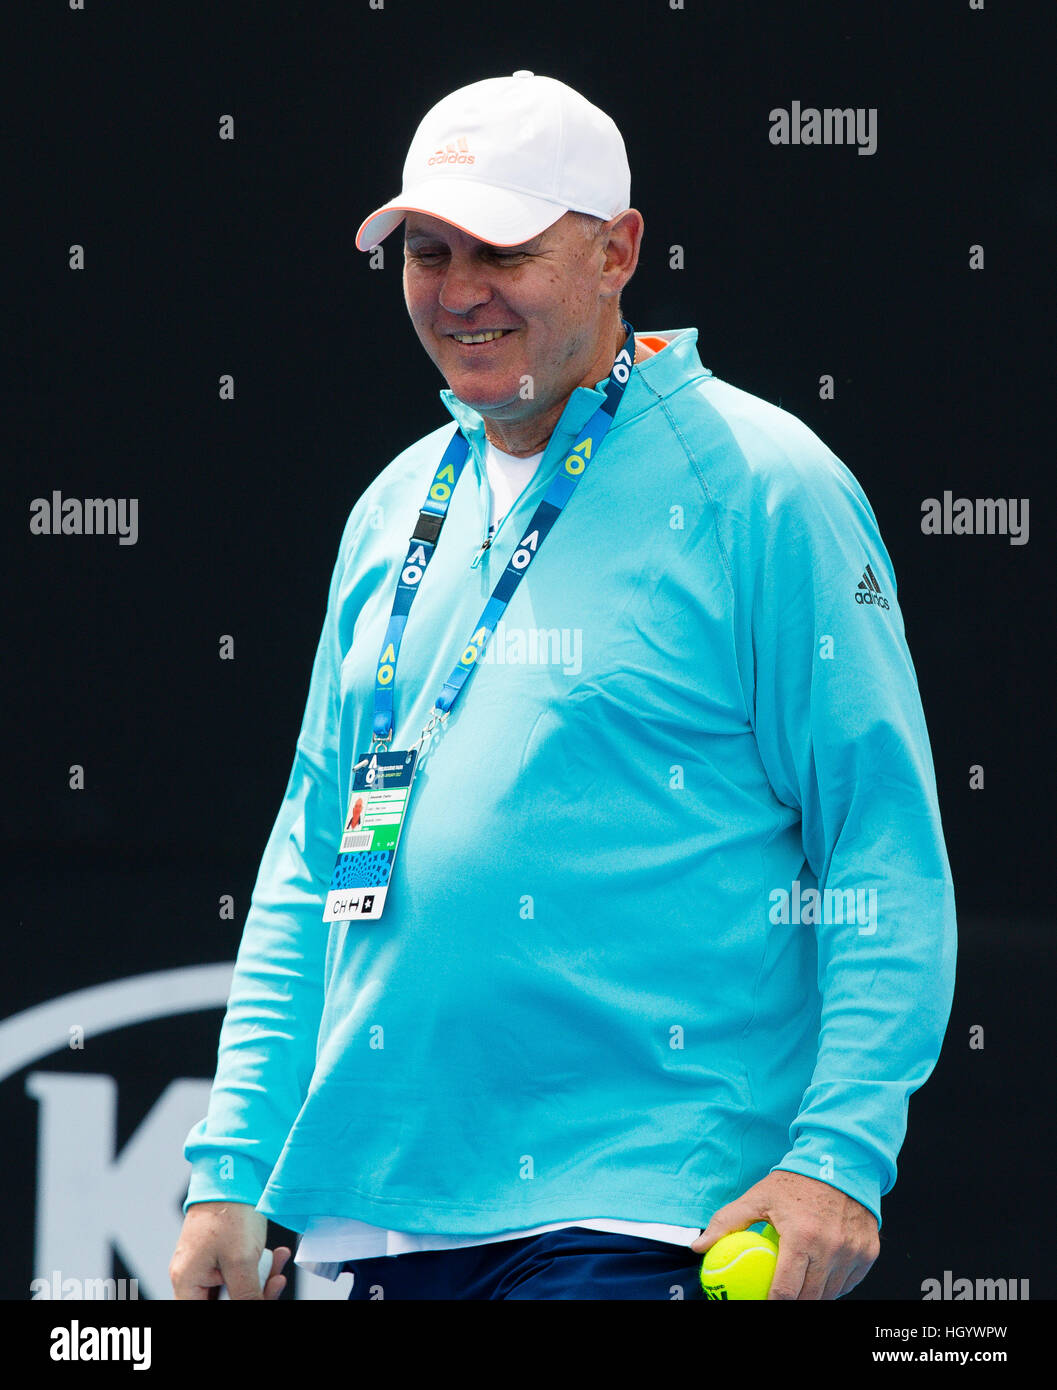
672 906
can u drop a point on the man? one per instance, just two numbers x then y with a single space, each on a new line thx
668 937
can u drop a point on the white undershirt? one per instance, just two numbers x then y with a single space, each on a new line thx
507 479
328 1240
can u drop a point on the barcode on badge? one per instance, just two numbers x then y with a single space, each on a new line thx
356 839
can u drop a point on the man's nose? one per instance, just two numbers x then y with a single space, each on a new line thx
465 286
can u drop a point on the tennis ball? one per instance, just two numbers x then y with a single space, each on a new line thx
740 1266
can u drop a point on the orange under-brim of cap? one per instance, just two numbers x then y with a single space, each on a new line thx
500 216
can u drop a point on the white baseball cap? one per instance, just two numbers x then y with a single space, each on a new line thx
505 158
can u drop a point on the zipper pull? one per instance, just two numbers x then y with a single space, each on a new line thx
475 562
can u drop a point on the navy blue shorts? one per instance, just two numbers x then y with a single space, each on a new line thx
570 1263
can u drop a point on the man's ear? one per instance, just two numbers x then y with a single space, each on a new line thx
623 240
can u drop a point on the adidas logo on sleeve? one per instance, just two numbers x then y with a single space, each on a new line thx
869 591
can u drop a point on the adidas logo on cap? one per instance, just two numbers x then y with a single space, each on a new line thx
454 152
869 591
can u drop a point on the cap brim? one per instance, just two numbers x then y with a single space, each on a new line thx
496 215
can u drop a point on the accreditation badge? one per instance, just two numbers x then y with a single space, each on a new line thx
381 788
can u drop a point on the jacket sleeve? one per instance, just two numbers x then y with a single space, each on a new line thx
841 731
268 1038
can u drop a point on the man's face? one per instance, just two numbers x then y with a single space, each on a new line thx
543 297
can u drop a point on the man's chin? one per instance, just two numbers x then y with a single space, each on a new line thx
495 404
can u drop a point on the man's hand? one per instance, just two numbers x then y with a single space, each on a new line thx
222 1243
828 1240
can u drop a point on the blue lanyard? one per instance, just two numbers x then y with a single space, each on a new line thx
423 543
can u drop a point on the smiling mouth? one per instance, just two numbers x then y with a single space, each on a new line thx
489 337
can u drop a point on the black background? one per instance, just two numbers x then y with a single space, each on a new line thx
206 256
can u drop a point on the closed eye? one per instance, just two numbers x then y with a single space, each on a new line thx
503 256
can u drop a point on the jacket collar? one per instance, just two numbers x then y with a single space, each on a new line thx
656 377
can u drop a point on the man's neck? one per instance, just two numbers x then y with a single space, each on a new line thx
523 439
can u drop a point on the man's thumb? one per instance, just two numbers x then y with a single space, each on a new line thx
736 1216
